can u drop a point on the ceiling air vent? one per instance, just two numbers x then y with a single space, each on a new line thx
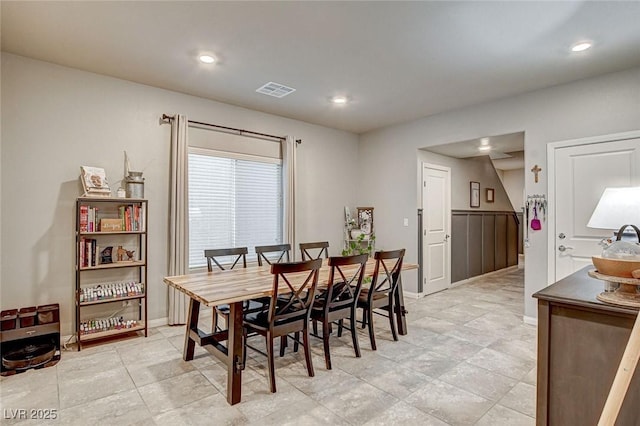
275 89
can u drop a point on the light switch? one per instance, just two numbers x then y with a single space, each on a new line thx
406 222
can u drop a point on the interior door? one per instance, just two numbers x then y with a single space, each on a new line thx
582 173
436 208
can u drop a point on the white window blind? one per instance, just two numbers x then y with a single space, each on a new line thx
232 203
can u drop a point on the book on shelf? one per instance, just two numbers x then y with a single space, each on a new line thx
94 182
89 252
127 218
84 218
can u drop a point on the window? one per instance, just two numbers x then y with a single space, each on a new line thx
234 201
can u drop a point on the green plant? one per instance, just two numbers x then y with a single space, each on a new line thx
360 246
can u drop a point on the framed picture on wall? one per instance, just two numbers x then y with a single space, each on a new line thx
474 194
490 195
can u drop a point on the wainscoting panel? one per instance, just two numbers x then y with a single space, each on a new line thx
482 242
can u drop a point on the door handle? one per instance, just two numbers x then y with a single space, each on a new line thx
564 248
446 238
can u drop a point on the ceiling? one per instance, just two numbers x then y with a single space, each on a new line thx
395 61
506 153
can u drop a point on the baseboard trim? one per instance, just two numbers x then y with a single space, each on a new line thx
158 322
530 320
412 295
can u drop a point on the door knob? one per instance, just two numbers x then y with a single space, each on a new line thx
564 248
446 238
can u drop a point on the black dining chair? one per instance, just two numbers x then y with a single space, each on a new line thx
380 295
281 253
314 250
213 258
339 301
287 312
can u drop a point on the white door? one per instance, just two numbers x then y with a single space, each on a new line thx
582 172
436 214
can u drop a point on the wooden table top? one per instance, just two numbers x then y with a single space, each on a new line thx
237 285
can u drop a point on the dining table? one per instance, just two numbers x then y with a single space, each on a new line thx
234 287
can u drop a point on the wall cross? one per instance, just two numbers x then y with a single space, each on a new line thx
535 171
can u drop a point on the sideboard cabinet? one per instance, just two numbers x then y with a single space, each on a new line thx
580 344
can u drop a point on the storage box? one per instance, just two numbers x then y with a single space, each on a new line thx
110 225
27 316
8 319
48 314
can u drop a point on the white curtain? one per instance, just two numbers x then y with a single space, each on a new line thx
178 217
289 184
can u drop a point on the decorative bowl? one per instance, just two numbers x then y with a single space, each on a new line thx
616 267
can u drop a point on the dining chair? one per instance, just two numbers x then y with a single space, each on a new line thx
281 250
213 256
288 310
339 301
306 249
380 295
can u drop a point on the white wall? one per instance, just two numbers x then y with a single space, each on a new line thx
465 170
513 181
596 106
55 119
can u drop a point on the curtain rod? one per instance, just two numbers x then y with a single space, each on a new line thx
167 118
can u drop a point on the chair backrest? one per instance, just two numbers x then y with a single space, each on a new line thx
386 273
281 250
345 280
239 252
307 253
293 301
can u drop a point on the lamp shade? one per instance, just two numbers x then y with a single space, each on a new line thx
617 207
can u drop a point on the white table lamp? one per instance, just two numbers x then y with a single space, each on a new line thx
618 207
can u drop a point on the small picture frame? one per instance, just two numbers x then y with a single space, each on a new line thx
365 219
474 194
491 195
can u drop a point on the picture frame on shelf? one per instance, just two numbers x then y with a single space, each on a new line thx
474 194
490 195
365 219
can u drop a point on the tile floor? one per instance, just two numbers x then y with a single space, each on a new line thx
468 360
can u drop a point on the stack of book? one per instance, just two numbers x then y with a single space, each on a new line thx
94 182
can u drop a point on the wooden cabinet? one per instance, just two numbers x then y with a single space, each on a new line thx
111 268
580 344
482 242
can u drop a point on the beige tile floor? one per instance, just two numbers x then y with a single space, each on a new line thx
468 360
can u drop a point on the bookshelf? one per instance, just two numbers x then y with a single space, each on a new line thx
111 268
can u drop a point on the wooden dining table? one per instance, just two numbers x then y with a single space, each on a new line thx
234 287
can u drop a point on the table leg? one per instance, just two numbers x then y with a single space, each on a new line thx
401 318
192 324
235 349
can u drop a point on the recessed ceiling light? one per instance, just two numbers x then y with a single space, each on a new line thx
484 148
207 59
339 100
484 141
581 47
